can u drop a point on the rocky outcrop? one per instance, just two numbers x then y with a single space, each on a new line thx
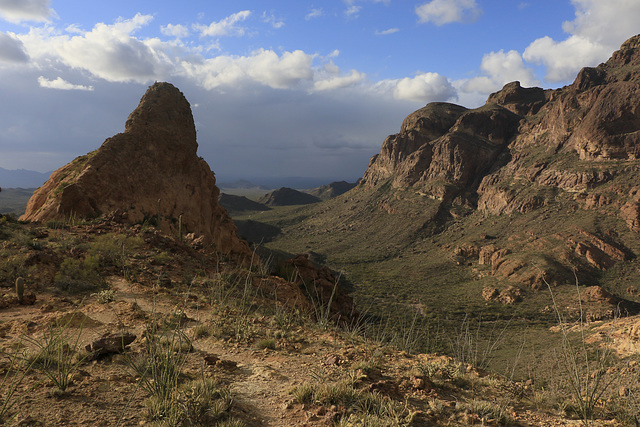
323 288
443 149
150 172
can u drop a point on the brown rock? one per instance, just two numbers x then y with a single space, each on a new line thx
490 294
114 343
600 295
322 287
151 169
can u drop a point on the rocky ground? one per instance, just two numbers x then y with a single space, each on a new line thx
246 348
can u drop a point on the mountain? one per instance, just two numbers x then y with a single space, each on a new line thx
536 189
287 196
332 190
22 178
242 184
529 151
234 203
151 172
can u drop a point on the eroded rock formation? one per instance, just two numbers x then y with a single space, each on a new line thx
149 172
559 158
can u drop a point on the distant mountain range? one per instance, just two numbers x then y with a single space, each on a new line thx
22 178
271 183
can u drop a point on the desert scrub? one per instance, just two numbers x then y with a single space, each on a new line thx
200 402
584 367
16 369
114 249
160 364
361 407
201 331
57 353
487 412
105 296
269 343
79 275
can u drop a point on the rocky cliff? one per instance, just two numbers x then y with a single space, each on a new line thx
565 160
149 172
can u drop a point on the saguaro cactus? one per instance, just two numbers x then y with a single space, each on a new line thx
20 288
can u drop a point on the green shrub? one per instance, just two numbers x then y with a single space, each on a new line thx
79 275
269 343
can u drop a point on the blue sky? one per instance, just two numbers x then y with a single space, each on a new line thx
279 88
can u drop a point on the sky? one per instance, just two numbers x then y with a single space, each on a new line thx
279 88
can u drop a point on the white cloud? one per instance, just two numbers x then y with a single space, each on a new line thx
272 20
61 84
11 50
564 59
314 13
609 22
226 26
599 28
178 31
352 11
16 11
263 66
339 82
387 32
442 12
500 68
424 87
107 51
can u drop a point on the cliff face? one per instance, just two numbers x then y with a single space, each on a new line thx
151 170
569 158
573 139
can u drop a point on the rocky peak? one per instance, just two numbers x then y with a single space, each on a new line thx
629 53
518 99
150 172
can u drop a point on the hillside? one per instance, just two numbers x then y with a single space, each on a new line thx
535 186
284 196
14 200
331 190
233 203
492 215
234 346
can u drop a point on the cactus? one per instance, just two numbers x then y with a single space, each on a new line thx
20 288
180 227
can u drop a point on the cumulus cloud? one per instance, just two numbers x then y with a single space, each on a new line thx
16 11
262 66
110 52
11 49
442 12
499 68
564 59
598 29
424 87
387 32
61 84
225 27
178 31
338 82
314 13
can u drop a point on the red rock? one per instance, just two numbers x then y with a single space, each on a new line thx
151 169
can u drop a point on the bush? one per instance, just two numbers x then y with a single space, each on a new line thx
79 275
